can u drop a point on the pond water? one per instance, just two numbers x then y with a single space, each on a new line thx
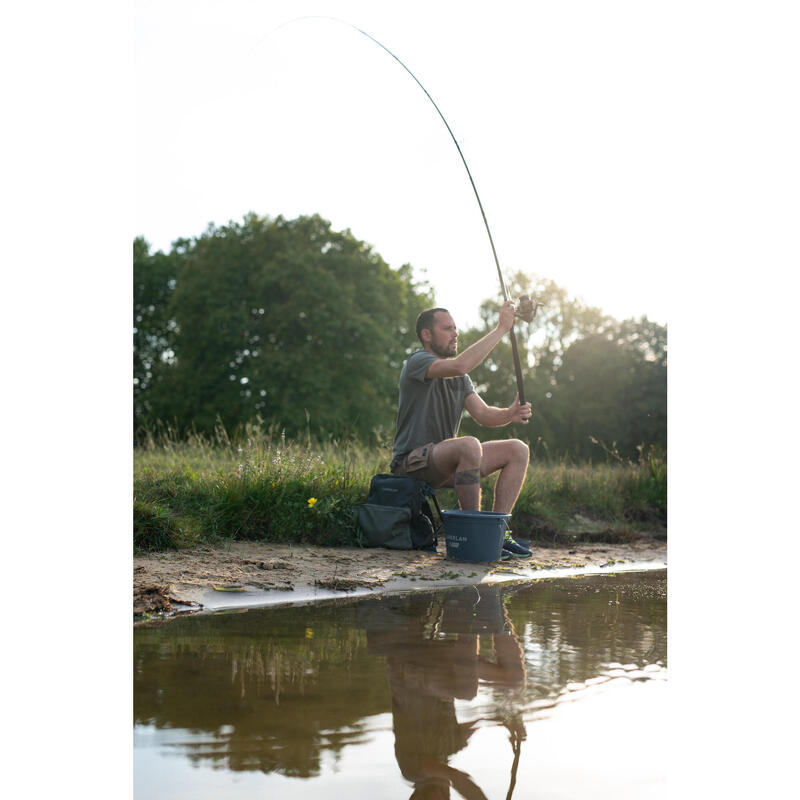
552 689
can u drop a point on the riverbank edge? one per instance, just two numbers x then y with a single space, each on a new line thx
243 575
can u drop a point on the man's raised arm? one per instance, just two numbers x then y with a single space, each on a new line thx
475 353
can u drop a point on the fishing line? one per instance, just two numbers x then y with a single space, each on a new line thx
439 112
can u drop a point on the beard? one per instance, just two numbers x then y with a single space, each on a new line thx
445 351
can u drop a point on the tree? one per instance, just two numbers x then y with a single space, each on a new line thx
586 374
289 320
154 280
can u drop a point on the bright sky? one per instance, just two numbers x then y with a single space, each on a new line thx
564 111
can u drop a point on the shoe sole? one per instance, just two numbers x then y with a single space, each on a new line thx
524 554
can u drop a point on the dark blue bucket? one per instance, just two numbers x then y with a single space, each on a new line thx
474 535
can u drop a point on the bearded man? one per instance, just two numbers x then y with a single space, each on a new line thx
435 388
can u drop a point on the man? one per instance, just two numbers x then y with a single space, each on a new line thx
434 390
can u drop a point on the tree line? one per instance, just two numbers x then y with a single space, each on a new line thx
307 328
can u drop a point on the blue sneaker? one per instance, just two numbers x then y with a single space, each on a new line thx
514 548
505 555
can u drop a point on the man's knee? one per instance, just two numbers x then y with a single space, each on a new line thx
453 455
471 448
519 451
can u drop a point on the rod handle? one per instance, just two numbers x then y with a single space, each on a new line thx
517 367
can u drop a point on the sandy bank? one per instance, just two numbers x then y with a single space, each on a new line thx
245 574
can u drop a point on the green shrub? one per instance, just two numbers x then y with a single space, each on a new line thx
154 528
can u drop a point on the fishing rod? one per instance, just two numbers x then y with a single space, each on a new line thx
527 308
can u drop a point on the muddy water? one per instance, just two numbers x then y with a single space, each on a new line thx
554 689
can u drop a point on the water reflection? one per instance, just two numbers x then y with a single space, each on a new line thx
434 658
289 692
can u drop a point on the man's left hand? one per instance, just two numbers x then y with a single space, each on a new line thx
520 413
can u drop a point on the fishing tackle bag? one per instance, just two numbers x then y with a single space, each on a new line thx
397 514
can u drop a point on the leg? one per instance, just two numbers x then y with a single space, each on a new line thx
460 461
510 456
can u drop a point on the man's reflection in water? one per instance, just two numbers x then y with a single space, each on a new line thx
432 647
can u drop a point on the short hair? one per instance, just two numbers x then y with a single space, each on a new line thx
426 319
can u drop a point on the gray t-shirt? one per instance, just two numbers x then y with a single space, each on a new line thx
429 410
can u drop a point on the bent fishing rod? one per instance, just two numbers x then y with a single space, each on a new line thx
527 308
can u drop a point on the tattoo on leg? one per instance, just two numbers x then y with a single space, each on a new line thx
467 477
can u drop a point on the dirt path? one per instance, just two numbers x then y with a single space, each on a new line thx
193 579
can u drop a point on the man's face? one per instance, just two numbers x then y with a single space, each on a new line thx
444 335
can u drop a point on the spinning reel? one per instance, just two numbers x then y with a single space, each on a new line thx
527 308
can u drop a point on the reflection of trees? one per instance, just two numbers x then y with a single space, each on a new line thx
276 688
259 674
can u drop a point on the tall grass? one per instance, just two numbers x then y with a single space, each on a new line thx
262 486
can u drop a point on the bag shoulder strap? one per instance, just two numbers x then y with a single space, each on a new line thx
427 491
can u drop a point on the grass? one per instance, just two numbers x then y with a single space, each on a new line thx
265 487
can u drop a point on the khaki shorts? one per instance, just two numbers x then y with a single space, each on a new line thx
419 465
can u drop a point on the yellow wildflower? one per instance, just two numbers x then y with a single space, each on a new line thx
311 502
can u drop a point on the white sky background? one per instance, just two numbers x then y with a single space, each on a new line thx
566 113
